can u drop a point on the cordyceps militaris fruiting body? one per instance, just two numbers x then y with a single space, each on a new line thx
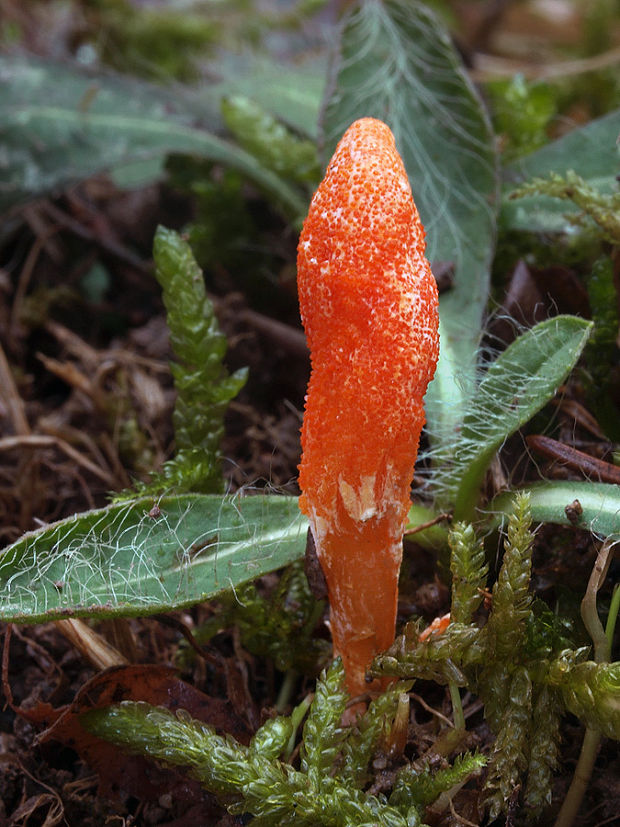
369 306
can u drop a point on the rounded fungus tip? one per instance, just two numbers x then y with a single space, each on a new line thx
369 306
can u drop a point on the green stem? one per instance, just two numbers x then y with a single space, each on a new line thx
286 690
297 716
581 779
602 651
614 606
457 707
589 611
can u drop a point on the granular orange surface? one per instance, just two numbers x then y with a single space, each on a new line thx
368 303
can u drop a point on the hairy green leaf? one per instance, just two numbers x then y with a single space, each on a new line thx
144 556
396 62
600 505
515 387
60 125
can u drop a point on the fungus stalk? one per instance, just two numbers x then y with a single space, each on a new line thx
368 303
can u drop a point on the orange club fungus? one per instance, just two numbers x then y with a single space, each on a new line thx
369 306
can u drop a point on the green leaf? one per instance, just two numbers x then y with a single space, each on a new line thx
600 504
396 62
515 387
591 151
138 558
61 125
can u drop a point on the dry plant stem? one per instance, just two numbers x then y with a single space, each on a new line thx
283 335
490 67
11 397
602 651
585 464
440 518
92 646
27 470
43 441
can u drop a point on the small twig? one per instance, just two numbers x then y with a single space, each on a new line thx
575 460
6 686
491 17
602 649
290 338
110 246
41 441
589 612
461 819
581 779
90 644
430 709
581 415
488 67
612 617
26 274
11 397
446 516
